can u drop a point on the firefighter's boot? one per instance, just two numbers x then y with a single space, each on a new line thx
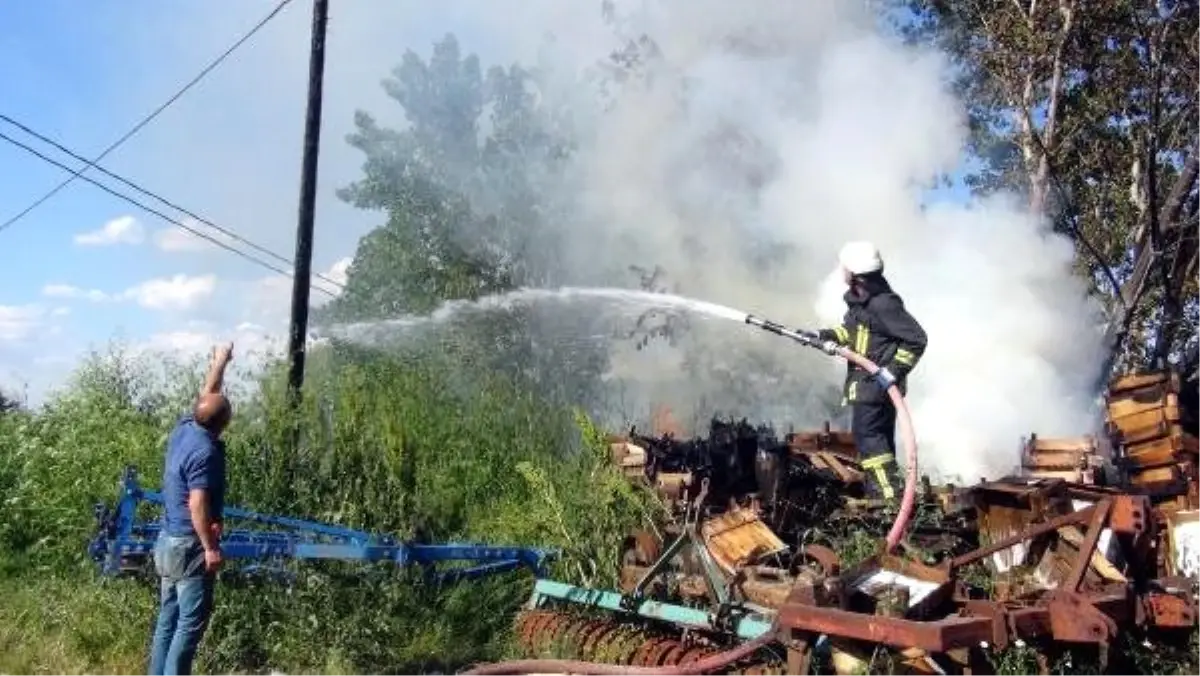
882 480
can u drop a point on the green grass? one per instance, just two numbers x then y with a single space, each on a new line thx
411 444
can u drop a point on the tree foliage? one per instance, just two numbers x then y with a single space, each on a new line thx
458 186
1090 109
466 190
8 404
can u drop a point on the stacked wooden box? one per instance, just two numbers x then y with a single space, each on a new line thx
1146 425
1075 459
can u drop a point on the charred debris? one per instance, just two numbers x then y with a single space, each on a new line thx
1088 550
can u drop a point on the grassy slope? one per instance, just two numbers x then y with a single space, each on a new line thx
388 448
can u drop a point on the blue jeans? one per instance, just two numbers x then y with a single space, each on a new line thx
186 603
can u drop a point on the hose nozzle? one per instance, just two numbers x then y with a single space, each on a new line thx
765 324
798 335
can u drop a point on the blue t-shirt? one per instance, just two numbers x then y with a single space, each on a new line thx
195 459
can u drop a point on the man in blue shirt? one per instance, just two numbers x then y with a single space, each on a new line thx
188 553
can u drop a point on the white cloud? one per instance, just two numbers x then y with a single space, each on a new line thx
180 292
200 337
264 301
175 239
271 296
74 293
338 272
253 344
121 230
17 322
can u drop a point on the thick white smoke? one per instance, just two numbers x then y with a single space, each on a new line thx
788 128
764 135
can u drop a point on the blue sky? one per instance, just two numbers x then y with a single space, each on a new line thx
84 73
86 267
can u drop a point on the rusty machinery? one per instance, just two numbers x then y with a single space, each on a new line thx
1070 562
1085 558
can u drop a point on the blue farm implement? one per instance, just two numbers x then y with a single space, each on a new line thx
125 544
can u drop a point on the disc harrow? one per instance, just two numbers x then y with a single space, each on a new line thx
577 636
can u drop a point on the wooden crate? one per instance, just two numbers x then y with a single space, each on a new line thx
739 537
628 456
1145 423
871 581
826 439
1073 459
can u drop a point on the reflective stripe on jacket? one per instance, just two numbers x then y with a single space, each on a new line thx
877 326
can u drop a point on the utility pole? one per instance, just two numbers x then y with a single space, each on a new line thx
302 273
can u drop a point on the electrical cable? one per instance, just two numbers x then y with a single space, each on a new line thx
115 193
146 120
162 200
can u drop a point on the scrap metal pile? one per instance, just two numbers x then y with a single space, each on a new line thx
1089 539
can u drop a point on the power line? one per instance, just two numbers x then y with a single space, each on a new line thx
115 193
162 200
146 120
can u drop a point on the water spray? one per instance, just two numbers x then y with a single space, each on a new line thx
903 418
654 299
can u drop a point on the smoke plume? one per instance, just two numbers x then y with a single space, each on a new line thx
754 138
760 136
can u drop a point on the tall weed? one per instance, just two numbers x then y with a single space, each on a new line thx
385 445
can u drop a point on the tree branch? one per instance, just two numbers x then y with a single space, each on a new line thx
1037 200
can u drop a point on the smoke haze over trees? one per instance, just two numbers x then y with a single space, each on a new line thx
726 158
1090 111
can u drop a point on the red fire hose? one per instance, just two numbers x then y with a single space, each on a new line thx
908 438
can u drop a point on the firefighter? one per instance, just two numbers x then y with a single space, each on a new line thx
877 326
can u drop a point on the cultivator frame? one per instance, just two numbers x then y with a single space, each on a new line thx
834 609
1073 565
124 545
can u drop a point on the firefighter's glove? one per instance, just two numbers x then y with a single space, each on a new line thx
829 347
885 378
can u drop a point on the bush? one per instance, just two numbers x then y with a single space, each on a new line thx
385 445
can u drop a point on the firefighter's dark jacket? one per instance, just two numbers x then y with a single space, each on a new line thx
878 327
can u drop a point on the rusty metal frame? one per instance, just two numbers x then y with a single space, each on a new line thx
1064 614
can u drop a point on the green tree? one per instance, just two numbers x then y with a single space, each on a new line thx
8 404
466 189
1090 110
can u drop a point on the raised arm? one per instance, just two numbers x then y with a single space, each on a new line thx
215 380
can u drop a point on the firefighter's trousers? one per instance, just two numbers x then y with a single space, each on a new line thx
874 428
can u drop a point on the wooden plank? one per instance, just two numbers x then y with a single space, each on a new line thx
739 537
1100 564
1139 380
835 464
1154 453
1160 428
1056 460
1121 409
1166 415
1086 444
1149 393
1073 475
1158 475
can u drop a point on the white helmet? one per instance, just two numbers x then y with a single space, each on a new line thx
860 258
